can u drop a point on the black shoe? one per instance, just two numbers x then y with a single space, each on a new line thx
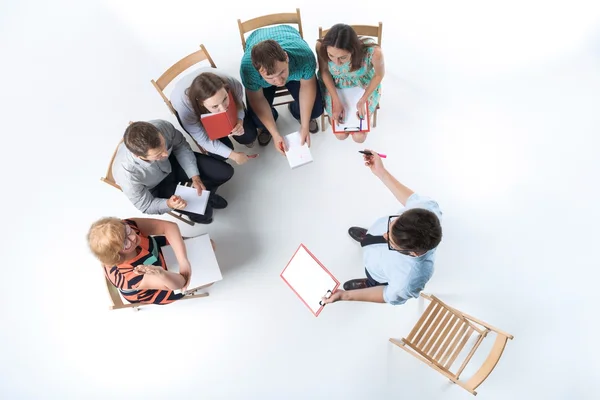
357 233
217 202
355 284
264 136
200 219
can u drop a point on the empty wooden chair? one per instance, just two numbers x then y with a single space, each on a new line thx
268 20
440 336
374 31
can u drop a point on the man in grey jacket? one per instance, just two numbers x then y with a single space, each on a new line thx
154 158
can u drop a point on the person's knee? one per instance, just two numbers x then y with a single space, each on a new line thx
359 137
341 136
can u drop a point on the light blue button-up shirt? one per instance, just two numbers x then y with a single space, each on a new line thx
406 276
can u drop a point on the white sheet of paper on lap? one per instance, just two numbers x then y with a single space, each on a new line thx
201 256
297 155
309 279
196 204
349 98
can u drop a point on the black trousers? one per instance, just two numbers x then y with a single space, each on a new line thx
213 174
294 88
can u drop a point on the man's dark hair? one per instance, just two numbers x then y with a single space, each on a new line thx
265 55
140 137
417 230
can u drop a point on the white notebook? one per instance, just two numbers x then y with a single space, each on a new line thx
297 155
309 279
201 255
196 204
349 98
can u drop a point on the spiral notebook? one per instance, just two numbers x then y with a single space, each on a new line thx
309 279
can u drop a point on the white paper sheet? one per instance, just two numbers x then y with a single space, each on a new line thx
205 268
297 155
308 279
196 204
349 98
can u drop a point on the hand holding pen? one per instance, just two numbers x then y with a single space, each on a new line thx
373 161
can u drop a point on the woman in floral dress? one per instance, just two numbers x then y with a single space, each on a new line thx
345 60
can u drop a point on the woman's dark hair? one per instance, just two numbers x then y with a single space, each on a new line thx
342 36
205 86
417 229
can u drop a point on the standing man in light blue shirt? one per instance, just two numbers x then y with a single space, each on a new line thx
398 250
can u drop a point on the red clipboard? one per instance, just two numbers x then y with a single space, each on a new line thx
309 279
365 124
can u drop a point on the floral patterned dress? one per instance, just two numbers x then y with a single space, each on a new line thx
344 78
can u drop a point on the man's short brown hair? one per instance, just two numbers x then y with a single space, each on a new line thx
141 137
265 55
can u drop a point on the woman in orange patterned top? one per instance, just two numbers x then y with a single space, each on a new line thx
130 252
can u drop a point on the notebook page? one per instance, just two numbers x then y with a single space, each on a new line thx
196 204
349 98
205 268
297 155
308 278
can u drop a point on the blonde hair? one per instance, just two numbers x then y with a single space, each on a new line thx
106 238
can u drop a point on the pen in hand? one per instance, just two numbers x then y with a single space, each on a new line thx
368 153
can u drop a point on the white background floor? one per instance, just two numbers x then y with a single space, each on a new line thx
491 109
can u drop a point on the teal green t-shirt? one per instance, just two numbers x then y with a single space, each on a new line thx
302 60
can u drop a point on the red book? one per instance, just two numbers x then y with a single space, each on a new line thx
219 125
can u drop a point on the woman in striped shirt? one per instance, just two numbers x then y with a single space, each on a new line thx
130 252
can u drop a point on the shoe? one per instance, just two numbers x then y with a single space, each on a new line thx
355 284
201 220
313 126
217 202
250 145
264 136
357 233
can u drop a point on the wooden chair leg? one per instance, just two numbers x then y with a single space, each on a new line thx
323 122
193 296
375 118
172 214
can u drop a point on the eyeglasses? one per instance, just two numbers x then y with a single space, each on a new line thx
391 219
128 242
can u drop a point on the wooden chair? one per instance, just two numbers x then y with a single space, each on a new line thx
441 334
117 302
174 71
268 20
109 178
374 31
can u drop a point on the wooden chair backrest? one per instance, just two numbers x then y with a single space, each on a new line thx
489 364
374 31
268 20
167 77
109 178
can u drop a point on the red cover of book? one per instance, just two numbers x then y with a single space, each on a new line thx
219 125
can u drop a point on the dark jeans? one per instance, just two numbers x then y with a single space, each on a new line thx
372 282
294 88
213 174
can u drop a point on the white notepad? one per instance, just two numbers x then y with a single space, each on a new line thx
297 155
349 98
196 204
309 279
201 255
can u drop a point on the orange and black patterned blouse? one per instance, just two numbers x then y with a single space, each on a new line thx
124 278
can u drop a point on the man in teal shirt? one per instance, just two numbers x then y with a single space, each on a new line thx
278 56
